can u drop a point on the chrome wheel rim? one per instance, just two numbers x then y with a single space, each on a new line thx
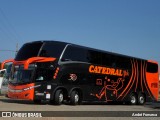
76 98
141 99
60 97
133 100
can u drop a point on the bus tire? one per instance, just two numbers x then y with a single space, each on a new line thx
133 99
141 99
74 98
58 97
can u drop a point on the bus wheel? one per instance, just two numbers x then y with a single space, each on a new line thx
133 99
58 97
74 98
141 99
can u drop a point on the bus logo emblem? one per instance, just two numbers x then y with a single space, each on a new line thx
73 77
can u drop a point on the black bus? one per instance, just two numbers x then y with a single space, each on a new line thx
59 71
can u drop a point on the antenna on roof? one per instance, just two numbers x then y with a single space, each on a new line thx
16 49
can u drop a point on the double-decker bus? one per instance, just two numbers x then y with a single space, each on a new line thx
59 71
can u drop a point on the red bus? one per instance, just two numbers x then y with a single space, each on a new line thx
59 71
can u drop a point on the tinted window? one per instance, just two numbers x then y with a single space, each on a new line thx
152 67
123 62
74 53
43 74
106 59
95 57
52 49
109 60
114 60
28 50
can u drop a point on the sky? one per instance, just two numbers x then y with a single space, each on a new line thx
129 27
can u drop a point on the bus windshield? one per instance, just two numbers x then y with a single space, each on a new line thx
21 76
28 50
40 49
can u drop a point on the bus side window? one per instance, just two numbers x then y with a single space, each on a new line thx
52 50
152 67
74 53
40 75
106 59
123 62
114 61
44 75
95 57
39 78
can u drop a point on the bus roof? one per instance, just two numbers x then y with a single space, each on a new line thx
90 48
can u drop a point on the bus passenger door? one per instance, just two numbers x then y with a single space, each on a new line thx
41 81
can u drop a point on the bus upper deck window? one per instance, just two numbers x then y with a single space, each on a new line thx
152 67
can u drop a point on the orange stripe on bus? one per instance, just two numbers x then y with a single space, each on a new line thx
133 79
142 75
136 75
129 81
33 60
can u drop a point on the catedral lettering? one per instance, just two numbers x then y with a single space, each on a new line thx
105 70
58 71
